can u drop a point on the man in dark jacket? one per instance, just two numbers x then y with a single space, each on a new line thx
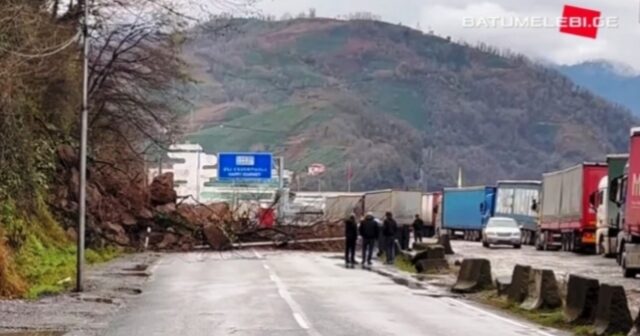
418 229
369 232
389 230
351 237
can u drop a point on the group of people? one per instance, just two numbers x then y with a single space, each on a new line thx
382 233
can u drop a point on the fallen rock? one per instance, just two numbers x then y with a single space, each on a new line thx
116 233
168 240
215 237
166 209
128 219
145 214
162 190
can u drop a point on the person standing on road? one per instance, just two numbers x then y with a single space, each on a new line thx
351 237
369 232
418 229
389 230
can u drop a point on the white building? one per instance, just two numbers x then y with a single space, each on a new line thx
196 174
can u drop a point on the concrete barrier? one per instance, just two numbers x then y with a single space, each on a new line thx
445 241
419 246
502 284
612 313
519 287
542 291
582 299
636 326
432 265
431 252
474 276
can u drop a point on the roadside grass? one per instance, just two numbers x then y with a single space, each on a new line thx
50 269
404 265
552 318
36 256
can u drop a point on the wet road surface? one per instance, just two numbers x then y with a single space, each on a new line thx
503 259
294 293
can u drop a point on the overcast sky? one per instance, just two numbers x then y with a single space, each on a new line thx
445 17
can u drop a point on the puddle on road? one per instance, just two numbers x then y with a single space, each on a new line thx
32 333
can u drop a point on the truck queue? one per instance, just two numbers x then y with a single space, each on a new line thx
592 207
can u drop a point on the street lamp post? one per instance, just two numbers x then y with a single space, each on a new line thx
82 206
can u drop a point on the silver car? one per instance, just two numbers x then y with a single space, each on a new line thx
501 231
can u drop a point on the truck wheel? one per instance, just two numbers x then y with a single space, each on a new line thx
539 241
627 273
517 246
485 244
572 241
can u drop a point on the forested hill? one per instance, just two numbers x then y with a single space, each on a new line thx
392 101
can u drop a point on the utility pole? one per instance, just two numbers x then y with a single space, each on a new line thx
82 206
281 189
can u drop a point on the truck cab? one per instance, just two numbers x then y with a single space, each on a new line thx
626 192
599 201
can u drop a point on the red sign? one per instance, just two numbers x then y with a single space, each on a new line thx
580 21
316 169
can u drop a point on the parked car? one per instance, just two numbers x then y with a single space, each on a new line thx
501 231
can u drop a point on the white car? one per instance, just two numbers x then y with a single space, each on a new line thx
501 231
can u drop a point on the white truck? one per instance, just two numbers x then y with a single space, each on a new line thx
339 207
404 205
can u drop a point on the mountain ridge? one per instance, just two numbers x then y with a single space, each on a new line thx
392 101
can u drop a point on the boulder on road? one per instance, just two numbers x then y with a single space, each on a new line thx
162 190
215 237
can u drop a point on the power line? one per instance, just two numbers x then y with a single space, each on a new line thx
57 49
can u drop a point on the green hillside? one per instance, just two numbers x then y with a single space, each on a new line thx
391 101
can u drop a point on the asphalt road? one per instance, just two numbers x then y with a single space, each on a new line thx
295 293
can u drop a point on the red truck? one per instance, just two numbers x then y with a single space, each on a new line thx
625 192
568 214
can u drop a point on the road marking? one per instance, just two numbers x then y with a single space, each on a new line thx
504 319
258 255
296 310
301 322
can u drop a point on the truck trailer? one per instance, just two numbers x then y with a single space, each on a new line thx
568 218
607 219
516 199
404 205
625 192
431 211
466 210
340 207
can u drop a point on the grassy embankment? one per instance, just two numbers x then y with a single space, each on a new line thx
36 256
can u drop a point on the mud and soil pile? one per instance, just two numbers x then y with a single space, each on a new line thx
123 210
